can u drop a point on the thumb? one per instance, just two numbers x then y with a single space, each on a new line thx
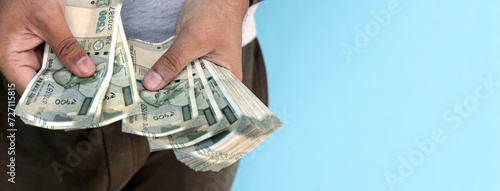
56 33
186 48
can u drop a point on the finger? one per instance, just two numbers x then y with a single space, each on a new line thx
187 47
25 63
55 31
229 59
237 71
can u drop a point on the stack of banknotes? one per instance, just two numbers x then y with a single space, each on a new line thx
206 115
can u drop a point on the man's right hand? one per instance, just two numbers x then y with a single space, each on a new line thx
24 26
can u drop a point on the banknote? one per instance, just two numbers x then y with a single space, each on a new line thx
164 112
205 114
56 97
121 97
223 149
201 153
213 120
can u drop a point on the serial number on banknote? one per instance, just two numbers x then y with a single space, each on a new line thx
101 21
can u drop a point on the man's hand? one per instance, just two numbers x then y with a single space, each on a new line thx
207 28
24 26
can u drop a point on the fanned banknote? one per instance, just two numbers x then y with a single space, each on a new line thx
211 118
256 122
58 98
121 96
166 111
205 114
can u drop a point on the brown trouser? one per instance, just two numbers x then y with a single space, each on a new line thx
105 158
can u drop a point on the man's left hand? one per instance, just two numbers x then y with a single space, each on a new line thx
210 29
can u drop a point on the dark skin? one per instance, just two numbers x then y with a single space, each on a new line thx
210 29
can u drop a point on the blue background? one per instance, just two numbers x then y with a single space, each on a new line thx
347 124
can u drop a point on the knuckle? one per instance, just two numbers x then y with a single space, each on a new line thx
66 47
170 62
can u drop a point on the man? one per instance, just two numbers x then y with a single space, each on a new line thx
105 158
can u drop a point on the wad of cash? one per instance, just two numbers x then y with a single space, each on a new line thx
206 115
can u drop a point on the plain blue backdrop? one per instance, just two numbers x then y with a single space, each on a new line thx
379 95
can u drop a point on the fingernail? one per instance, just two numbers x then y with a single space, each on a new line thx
153 79
84 65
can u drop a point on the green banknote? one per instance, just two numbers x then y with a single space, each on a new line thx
56 97
166 111
121 97
210 116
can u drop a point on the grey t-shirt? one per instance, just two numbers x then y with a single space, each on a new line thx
150 20
155 20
